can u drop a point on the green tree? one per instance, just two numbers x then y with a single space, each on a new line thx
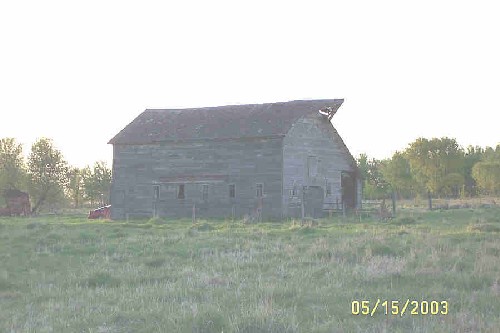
75 186
397 172
452 184
487 176
96 183
89 189
374 184
12 166
490 154
47 172
432 160
102 176
471 157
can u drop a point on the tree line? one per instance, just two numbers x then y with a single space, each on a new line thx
434 168
49 179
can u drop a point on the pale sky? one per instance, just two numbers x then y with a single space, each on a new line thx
78 72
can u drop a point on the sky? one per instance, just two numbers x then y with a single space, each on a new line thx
79 72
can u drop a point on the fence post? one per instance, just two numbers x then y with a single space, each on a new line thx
194 212
261 208
302 203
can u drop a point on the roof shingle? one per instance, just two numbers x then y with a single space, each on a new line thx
222 122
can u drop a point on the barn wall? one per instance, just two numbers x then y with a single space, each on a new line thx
313 136
130 191
244 163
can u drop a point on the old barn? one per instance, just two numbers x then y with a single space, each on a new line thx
273 160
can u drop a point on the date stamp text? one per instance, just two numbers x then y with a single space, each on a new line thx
399 308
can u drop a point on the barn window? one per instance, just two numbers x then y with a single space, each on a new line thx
293 191
156 192
180 192
328 188
260 190
312 166
232 193
205 191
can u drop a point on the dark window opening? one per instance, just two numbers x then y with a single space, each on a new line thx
180 193
260 190
232 193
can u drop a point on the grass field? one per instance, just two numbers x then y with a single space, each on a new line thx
69 274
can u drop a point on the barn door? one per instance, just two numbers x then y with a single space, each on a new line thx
348 184
313 201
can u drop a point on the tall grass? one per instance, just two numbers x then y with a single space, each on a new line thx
71 275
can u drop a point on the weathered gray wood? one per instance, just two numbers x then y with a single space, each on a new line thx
311 154
310 136
217 164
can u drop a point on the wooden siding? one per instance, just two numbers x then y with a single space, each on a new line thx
243 162
313 137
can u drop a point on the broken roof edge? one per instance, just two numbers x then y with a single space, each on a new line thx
337 101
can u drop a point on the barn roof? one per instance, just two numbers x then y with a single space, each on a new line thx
221 122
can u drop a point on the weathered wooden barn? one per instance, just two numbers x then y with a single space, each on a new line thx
275 160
